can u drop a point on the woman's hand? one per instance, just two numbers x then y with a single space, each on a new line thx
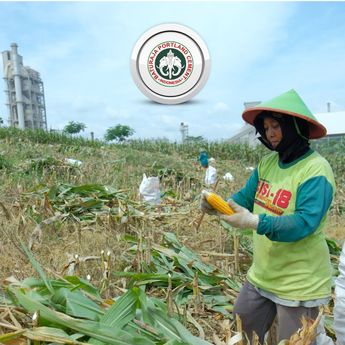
242 218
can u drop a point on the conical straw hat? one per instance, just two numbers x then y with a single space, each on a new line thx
289 103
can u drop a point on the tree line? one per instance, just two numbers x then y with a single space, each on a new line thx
117 133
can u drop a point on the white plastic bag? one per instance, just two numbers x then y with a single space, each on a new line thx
228 177
339 305
73 162
149 190
211 175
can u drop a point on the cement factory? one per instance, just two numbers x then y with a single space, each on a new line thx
24 92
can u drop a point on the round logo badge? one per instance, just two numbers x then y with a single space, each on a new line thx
170 63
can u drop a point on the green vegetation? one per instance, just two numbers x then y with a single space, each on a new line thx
119 133
40 136
80 248
74 127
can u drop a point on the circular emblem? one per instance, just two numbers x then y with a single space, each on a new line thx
170 63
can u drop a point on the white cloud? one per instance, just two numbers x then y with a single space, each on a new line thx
258 50
220 107
167 119
112 113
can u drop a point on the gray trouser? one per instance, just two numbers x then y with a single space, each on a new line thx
257 314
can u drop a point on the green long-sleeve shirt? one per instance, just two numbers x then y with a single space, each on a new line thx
291 257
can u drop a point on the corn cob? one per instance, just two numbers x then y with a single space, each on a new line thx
218 203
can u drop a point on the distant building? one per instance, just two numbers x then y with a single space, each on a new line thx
247 133
24 92
334 121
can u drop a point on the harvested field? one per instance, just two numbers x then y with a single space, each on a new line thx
85 260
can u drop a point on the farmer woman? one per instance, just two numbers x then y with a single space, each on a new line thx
211 172
285 201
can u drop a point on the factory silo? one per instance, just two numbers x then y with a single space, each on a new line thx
24 92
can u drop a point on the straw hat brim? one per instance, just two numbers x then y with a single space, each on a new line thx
316 129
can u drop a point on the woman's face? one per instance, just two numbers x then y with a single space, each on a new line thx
273 131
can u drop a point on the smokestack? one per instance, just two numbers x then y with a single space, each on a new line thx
328 107
18 86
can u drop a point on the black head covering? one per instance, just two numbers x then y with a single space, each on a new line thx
295 131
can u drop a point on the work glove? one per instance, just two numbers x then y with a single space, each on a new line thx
242 218
206 207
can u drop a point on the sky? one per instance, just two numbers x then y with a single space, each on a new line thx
258 51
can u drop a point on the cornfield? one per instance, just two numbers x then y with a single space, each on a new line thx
86 261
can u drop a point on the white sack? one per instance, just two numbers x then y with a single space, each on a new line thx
149 190
73 162
228 177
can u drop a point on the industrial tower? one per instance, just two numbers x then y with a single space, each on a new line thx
24 92
184 131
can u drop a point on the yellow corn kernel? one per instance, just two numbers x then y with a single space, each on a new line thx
218 203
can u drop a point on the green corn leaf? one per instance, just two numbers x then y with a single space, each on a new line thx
171 238
74 303
50 334
226 311
164 326
145 303
69 282
135 328
196 261
234 285
143 341
212 300
37 267
84 285
123 310
174 330
152 278
96 330
186 336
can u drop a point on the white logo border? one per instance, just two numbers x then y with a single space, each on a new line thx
167 27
